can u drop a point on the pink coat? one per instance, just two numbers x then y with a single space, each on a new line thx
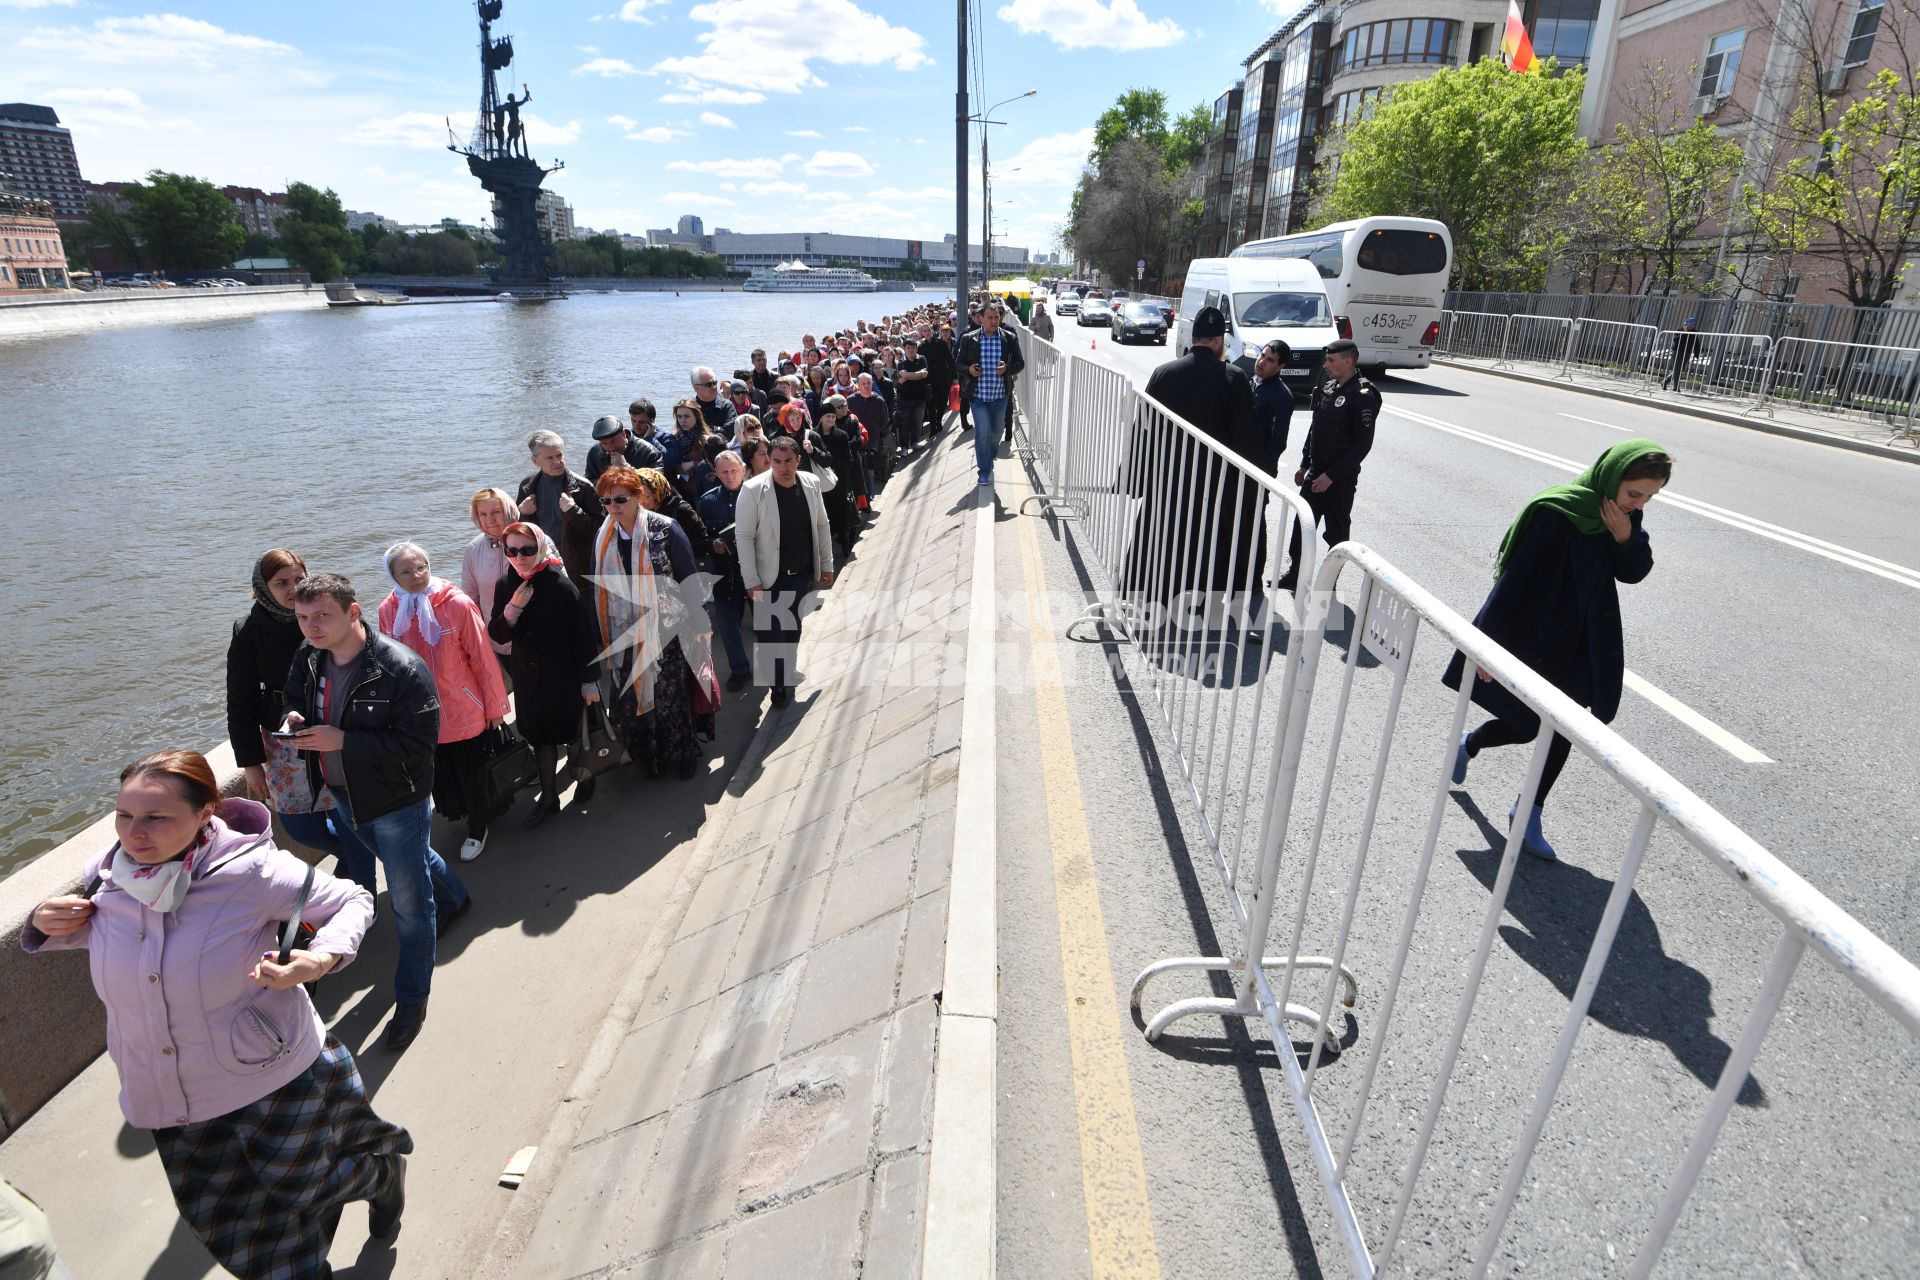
465 671
191 1035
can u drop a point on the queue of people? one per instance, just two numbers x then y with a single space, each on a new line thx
355 722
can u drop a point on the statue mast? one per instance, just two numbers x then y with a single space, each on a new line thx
498 155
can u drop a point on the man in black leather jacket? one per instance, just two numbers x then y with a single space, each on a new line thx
365 708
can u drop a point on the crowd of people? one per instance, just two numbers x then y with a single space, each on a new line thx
582 600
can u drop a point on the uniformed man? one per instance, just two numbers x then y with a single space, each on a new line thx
1344 408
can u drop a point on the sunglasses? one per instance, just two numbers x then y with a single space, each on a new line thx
522 551
618 499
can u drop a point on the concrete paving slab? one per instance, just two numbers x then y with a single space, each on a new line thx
685 975
592 1202
697 1170
849 981
700 1259
895 1220
753 827
933 861
904 713
868 884
776 930
906 1090
816 1123
817 1238
743 1031
802 854
644 1080
727 889
887 811
923 964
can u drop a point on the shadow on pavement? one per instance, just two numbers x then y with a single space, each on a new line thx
1643 991
1399 385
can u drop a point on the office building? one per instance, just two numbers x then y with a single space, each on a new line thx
744 253
33 259
36 153
557 213
259 211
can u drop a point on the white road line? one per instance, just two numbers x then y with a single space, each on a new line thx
1895 573
1596 422
1736 747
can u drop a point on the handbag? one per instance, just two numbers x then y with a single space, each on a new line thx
506 766
600 747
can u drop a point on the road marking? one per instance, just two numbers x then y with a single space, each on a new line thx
1892 572
1596 422
1113 1169
1734 746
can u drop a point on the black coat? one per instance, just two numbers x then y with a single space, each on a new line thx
577 527
638 453
682 513
258 659
1010 356
1217 399
939 358
553 655
1557 610
391 722
1341 434
1272 415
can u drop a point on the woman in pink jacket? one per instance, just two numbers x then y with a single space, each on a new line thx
259 1114
439 622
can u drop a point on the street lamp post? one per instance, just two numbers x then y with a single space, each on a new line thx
986 248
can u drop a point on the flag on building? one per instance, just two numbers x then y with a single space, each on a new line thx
1515 49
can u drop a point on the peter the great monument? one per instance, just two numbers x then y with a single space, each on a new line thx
497 155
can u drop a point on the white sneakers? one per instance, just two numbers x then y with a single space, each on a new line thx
470 848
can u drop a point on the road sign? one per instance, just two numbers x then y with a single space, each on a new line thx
1140 271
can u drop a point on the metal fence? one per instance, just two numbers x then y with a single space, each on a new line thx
1181 539
1823 322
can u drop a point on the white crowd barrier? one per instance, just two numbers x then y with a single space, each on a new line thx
1171 528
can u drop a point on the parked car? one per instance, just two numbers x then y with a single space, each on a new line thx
1143 320
1094 311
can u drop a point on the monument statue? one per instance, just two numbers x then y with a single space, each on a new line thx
497 154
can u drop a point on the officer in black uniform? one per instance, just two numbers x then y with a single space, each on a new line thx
1344 409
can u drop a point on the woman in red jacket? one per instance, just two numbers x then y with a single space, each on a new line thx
439 622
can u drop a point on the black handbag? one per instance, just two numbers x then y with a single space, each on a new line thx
508 767
600 749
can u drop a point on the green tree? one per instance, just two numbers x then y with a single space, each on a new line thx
1186 142
1137 113
184 222
1131 210
1490 153
435 254
314 231
111 233
582 258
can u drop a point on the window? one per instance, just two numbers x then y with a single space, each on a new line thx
1866 24
1282 310
1722 64
1402 253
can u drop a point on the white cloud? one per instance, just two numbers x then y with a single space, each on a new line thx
838 32
803 133
1089 24
856 128
717 96
636 11
716 120
692 197
781 188
825 195
623 122
839 164
377 174
657 133
160 37
607 67
1055 160
896 195
728 168
103 109
421 129
547 134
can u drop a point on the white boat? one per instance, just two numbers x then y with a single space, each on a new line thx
798 277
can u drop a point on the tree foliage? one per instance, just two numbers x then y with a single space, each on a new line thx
1490 153
313 231
184 223
436 253
1132 203
111 232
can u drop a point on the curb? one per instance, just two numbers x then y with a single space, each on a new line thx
1810 435
958 1239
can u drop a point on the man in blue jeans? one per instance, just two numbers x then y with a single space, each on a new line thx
990 357
365 709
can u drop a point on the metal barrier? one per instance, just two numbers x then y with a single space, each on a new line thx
1472 335
1541 339
1611 347
1728 366
1293 837
1043 392
1850 379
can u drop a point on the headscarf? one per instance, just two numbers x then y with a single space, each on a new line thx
549 554
1579 499
415 606
162 886
628 603
263 596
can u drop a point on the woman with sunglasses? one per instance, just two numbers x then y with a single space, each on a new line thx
654 628
436 620
537 610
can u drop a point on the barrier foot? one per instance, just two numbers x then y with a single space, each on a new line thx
1058 508
1120 617
1236 1006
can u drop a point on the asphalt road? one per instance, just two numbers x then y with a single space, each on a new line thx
1777 615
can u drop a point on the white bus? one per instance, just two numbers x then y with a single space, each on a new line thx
1386 276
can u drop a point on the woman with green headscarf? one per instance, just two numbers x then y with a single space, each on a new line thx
1554 604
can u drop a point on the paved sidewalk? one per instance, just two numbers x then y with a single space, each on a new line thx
767 1110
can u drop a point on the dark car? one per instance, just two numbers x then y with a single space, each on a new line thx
1094 311
1143 320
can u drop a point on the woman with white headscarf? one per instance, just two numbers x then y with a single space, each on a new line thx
441 623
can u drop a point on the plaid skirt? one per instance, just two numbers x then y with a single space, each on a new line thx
263 1186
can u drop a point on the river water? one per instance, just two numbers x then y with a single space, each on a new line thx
149 468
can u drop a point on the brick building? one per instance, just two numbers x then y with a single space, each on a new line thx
32 257
36 153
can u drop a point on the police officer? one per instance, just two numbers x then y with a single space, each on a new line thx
1344 408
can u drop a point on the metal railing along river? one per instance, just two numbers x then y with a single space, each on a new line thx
1171 528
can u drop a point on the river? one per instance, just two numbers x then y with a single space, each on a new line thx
151 466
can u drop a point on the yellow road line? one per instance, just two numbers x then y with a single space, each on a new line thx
1113 1170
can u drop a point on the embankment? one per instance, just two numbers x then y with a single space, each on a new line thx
77 312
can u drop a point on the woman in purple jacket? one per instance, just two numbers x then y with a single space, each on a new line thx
260 1117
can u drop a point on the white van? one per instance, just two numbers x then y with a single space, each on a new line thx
1263 299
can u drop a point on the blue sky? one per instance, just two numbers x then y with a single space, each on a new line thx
758 115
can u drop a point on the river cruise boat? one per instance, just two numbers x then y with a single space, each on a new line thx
798 277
